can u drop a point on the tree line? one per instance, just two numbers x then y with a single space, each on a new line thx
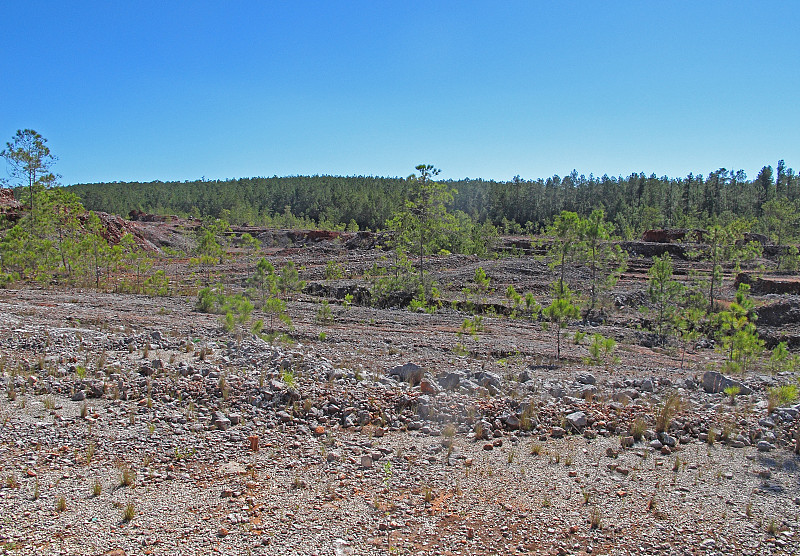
633 203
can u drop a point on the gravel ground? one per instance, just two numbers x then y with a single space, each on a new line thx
100 390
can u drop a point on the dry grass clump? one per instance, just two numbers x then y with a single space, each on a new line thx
637 429
127 476
129 512
671 405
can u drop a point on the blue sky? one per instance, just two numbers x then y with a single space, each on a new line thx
179 90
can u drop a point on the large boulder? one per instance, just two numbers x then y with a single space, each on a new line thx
450 380
410 372
488 380
715 383
577 419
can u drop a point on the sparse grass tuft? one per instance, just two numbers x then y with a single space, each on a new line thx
61 504
666 412
772 526
97 488
127 476
90 449
637 429
595 519
129 512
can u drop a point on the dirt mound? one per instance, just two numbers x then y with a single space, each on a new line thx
780 313
762 285
115 227
673 236
9 206
139 216
653 249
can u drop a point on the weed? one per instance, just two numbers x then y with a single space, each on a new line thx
61 504
49 402
288 378
97 488
36 490
772 526
324 314
732 392
223 387
11 481
127 476
536 449
129 512
84 410
511 456
711 437
527 417
595 519
637 429
670 406
783 395
90 449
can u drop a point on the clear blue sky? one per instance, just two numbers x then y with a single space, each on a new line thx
179 90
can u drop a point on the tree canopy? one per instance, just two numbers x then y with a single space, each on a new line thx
632 203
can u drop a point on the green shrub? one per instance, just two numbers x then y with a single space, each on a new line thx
784 395
324 313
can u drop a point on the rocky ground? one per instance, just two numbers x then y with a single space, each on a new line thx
135 425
